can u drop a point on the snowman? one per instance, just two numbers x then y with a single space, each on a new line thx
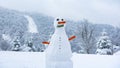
58 52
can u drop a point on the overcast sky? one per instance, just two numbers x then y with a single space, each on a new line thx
96 11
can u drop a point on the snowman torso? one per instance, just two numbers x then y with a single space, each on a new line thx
59 46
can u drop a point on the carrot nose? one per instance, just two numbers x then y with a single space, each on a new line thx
62 22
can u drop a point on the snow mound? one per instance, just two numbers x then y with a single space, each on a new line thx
117 53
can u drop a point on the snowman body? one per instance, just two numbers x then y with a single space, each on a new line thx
58 53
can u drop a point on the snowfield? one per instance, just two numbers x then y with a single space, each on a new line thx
96 61
37 60
22 60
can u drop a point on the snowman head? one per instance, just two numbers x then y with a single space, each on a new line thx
59 23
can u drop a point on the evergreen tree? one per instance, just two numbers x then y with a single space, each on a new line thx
28 46
104 45
16 44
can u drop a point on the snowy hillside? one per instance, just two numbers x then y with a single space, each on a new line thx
12 23
37 60
32 28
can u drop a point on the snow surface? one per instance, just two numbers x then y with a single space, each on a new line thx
22 60
95 61
32 28
37 60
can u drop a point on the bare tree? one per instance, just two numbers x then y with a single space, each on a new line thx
86 35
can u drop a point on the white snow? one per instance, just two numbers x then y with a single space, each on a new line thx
37 60
117 53
6 37
22 60
32 28
95 61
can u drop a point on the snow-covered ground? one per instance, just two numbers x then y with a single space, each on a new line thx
96 61
37 60
22 60
32 28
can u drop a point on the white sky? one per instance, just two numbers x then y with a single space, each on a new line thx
96 11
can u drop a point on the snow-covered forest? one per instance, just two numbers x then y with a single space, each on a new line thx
17 34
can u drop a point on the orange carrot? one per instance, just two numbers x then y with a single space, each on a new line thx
45 42
71 38
62 22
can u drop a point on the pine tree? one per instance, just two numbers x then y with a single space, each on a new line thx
16 44
28 46
104 45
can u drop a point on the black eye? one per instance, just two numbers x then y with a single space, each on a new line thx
57 19
62 19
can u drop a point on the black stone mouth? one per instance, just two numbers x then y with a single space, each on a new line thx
60 26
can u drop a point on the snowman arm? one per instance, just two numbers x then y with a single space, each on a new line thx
45 42
71 38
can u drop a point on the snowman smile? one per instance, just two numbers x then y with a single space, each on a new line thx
60 25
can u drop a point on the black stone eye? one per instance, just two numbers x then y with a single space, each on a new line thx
62 19
57 19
